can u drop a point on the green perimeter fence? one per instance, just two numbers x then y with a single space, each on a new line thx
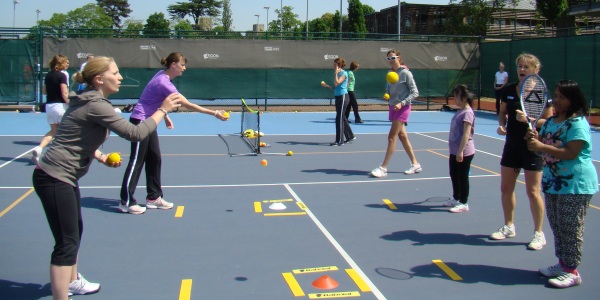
569 57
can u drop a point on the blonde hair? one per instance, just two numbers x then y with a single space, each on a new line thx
57 61
96 66
530 60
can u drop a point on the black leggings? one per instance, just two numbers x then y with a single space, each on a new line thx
62 205
459 174
353 104
342 128
146 152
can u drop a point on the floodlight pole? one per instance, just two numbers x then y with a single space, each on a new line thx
15 2
399 19
38 15
340 19
267 26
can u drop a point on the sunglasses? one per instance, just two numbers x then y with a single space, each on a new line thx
392 58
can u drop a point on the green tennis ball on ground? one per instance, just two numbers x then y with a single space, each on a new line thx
290 153
391 77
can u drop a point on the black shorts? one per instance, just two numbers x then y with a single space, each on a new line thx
519 157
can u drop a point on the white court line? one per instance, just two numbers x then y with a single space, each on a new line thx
8 162
372 180
338 247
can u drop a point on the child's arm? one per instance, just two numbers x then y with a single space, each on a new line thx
463 141
570 151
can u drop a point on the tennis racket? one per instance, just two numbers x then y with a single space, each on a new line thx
534 98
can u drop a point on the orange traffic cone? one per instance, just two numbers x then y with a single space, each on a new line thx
325 283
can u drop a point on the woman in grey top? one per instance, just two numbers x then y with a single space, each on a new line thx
85 125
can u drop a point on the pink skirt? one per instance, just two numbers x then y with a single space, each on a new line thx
400 115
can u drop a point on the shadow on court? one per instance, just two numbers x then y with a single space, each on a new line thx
24 291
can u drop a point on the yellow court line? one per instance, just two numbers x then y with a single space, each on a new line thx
446 269
284 214
185 293
257 207
293 284
390 204
2 213
179 211
360 283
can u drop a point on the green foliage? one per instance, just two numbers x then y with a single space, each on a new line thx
287 18
552 10
469 17
356 18
156 26
226 16
195 9
115 9
89 16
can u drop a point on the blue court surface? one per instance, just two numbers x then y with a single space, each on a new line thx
240 230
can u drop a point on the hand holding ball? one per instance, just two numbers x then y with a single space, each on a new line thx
391 77
113 158
225 115
386 96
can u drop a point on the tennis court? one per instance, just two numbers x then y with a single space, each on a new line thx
386 238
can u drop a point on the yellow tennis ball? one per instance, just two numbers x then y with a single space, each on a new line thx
113 158
290 153
226 115
386 96
322 82
392 77
264 162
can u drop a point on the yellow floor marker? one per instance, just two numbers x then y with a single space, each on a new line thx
257 207
360 283
390 204
446 269
179 211
293 284
185 293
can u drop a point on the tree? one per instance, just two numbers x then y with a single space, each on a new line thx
226 16
552 10
115 9
287 20
133 28
196 9
356 18
468 17
89 16
156 25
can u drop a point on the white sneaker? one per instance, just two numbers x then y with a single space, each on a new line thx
460 208
35 154
83 287
159 203
565 280
552 271
504 232
537 242
379 172
134 209
451 202
416 168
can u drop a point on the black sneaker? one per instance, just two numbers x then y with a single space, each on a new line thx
350 140
335 144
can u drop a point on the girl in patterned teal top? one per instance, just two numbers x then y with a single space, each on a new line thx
569 179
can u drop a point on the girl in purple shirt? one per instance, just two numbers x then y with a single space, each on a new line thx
462 148
147 151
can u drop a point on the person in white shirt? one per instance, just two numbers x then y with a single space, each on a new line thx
82 86
499 83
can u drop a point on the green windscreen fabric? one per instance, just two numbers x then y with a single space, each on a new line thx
573 57
18 72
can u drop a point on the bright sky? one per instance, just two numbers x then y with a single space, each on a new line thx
24 13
